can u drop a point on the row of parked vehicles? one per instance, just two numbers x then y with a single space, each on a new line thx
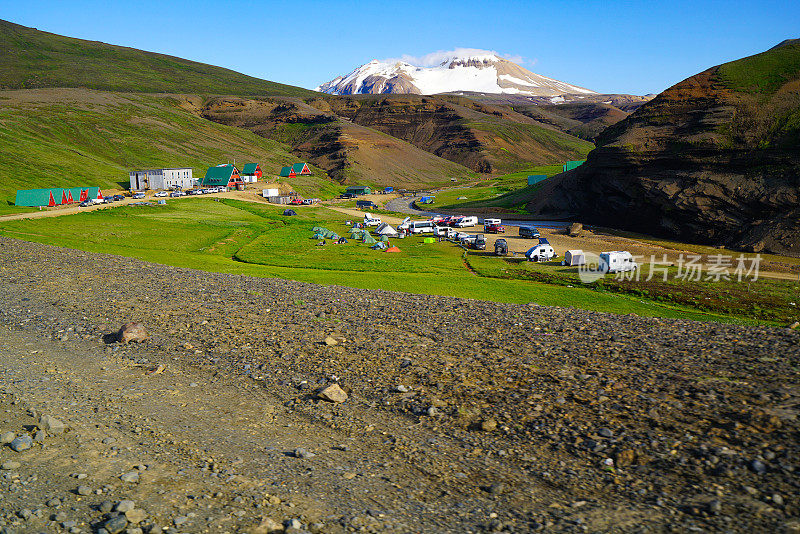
107 200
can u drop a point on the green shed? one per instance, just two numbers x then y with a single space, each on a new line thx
536 178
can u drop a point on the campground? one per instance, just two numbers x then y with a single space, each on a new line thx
230 235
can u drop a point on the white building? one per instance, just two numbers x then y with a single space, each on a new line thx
161 179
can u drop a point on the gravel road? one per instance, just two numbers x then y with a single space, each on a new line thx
462 415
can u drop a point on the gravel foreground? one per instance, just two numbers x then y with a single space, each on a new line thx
461 416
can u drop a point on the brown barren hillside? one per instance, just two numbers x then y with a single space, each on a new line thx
349 152
713 159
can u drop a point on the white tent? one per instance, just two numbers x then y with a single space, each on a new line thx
574 257
385 229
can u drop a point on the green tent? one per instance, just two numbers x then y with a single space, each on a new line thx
368 239
318 236
379 246
329 234
335 236
317 229
384 238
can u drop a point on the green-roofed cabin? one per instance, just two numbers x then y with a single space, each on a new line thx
221 176
55 196
301 169
286 172
358 190
251 172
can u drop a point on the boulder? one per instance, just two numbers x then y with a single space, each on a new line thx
332 393
132 332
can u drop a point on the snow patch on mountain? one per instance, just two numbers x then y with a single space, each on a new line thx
464 69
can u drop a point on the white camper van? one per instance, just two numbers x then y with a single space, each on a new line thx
467 221
492 222
617 261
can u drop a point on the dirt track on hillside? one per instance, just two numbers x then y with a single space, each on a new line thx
507 424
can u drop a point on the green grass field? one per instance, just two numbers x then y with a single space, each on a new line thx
256 240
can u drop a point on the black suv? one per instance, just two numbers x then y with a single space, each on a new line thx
529 232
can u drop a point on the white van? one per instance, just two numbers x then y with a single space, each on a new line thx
444 231
421 227
617 261
467 221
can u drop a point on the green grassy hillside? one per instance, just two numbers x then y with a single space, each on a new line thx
30 58
59 137
766 72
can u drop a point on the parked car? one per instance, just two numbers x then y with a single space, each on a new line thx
86 203
501 247
421 227
370 220
138 195
108 200
479 243
118 197
617 261
528 231
489 222
365 204
161 194
347 195
541 252
296 202
494 229
176 194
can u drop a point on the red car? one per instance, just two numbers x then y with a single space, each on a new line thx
296 202
495 229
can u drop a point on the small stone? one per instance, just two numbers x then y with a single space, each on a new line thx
132 331
137 515
488 425
109 441
115 525
625 457
84 490
55 501
795 325
51 425
131 477
401 389
39 436
22 443
293 523
180 520
68 524
777 499
10 465
302 453
134 530
330 341
605 432
715 507
758 467
7 437
333 393
267 526
61 516
106 506
349 475
125 506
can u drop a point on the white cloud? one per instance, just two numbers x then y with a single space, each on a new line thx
437 58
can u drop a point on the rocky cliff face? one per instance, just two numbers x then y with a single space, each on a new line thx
714 159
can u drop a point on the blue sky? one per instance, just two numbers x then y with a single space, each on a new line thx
611 47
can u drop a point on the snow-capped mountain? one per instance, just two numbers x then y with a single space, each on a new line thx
472 70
